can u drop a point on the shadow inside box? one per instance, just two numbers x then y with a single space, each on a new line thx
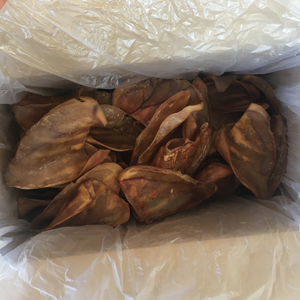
231 218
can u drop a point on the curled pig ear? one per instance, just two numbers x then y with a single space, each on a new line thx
250 149
165 129
183 154
173 105
142 99
93 203
106 173
156 193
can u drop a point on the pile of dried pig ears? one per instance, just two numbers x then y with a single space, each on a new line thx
154 148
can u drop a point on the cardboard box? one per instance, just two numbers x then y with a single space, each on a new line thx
240 248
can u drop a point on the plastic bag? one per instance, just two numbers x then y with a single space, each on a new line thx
240 248
103 44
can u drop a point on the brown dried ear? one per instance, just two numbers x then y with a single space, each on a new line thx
266 89
228 94
120 132
250 149
166 128
107 173
92 203
222 176
183 154
52 151
142 99
156 193
33 107
173 105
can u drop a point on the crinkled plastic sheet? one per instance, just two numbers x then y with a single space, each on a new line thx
240 248
102 43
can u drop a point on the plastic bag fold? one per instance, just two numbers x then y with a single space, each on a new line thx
104 44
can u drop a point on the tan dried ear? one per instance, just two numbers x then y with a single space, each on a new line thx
120 132
33 107
183 154
84 195
52 151
142 99
99 112
106 173
250 149
93 203
96 159
156 193
165 129
173 105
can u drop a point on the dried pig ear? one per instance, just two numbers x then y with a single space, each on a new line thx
266 90
166 128
102 121
52 151
228 94
173 105
250 149
142 99
137 99
107 173
33 107
96 159
93 203
120 132
156 193
222 176
183 154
